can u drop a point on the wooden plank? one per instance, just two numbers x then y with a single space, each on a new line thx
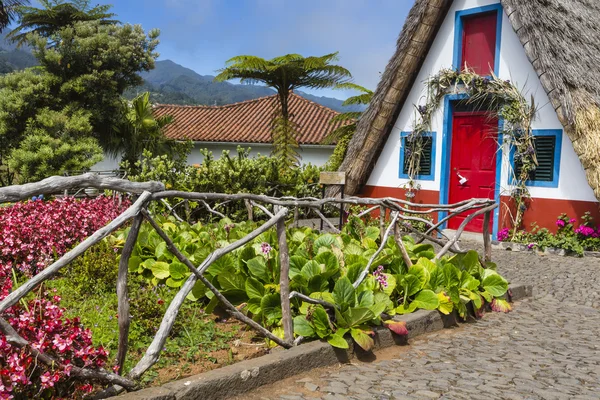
332 178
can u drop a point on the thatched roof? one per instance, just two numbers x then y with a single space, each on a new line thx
562 41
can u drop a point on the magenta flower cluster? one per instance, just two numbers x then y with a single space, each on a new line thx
587 231
32 235
45 326
503 234
265 248
380 277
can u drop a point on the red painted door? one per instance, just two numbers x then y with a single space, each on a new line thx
472 162
479 43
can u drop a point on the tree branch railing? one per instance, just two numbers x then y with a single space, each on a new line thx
401 214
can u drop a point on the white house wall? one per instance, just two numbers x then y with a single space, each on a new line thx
513 65
315 155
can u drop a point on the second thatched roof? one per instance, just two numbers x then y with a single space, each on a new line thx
561 40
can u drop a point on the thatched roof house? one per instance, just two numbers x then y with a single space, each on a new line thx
561 40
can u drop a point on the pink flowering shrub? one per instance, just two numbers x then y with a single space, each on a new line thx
568 236
32 235
42 323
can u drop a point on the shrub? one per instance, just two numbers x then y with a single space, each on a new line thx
35 232
95 271
42 322
567 237
231 174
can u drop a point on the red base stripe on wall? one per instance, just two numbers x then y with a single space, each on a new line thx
544 212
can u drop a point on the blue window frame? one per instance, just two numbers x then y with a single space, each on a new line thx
549 153
430 157
458 33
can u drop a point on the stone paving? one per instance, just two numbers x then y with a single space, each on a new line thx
547 348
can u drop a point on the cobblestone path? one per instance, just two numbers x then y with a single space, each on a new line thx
547 348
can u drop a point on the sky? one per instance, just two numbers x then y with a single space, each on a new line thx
203 34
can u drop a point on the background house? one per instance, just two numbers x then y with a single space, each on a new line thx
246 124
549 48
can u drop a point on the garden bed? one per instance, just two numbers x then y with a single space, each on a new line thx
511 246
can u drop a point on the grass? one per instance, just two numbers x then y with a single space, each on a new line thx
193 340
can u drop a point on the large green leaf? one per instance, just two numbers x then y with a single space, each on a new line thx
343 292
258 268
494 283
198 292
271 307
468 282
178 270
232 283
362 339
330 263
337 340
254 288
134 264
310 269
352 249
446 306
320 320
359 315
421 273
160 250
427 300
160 270
302 327
410 284
327 240
365 299
451 275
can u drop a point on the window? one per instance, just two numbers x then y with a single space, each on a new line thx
427 161
547 145
477 39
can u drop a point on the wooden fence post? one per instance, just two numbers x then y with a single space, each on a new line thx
487 240
284 281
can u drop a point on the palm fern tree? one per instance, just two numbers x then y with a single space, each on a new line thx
139 131
342 135
8 9
55 15
284 74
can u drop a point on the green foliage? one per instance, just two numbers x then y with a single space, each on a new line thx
55 15
140 131
322 266
55 143
342 135
83 74
586 237
8 10
95 272
230 174
285 74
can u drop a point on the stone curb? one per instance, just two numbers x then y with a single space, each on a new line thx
246 375
519 247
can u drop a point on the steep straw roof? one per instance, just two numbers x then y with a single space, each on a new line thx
562 41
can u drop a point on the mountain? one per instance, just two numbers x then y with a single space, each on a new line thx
171 83
13 59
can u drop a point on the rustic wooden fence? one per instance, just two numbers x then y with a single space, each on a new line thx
400 212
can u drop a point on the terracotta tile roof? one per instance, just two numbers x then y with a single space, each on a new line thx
247 121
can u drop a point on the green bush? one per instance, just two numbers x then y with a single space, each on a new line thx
321 266
230 174
96 271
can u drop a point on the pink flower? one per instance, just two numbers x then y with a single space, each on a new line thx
572 221
265 248
560 223
380 277
503 234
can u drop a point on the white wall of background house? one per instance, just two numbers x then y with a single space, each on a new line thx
314 154
513 65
